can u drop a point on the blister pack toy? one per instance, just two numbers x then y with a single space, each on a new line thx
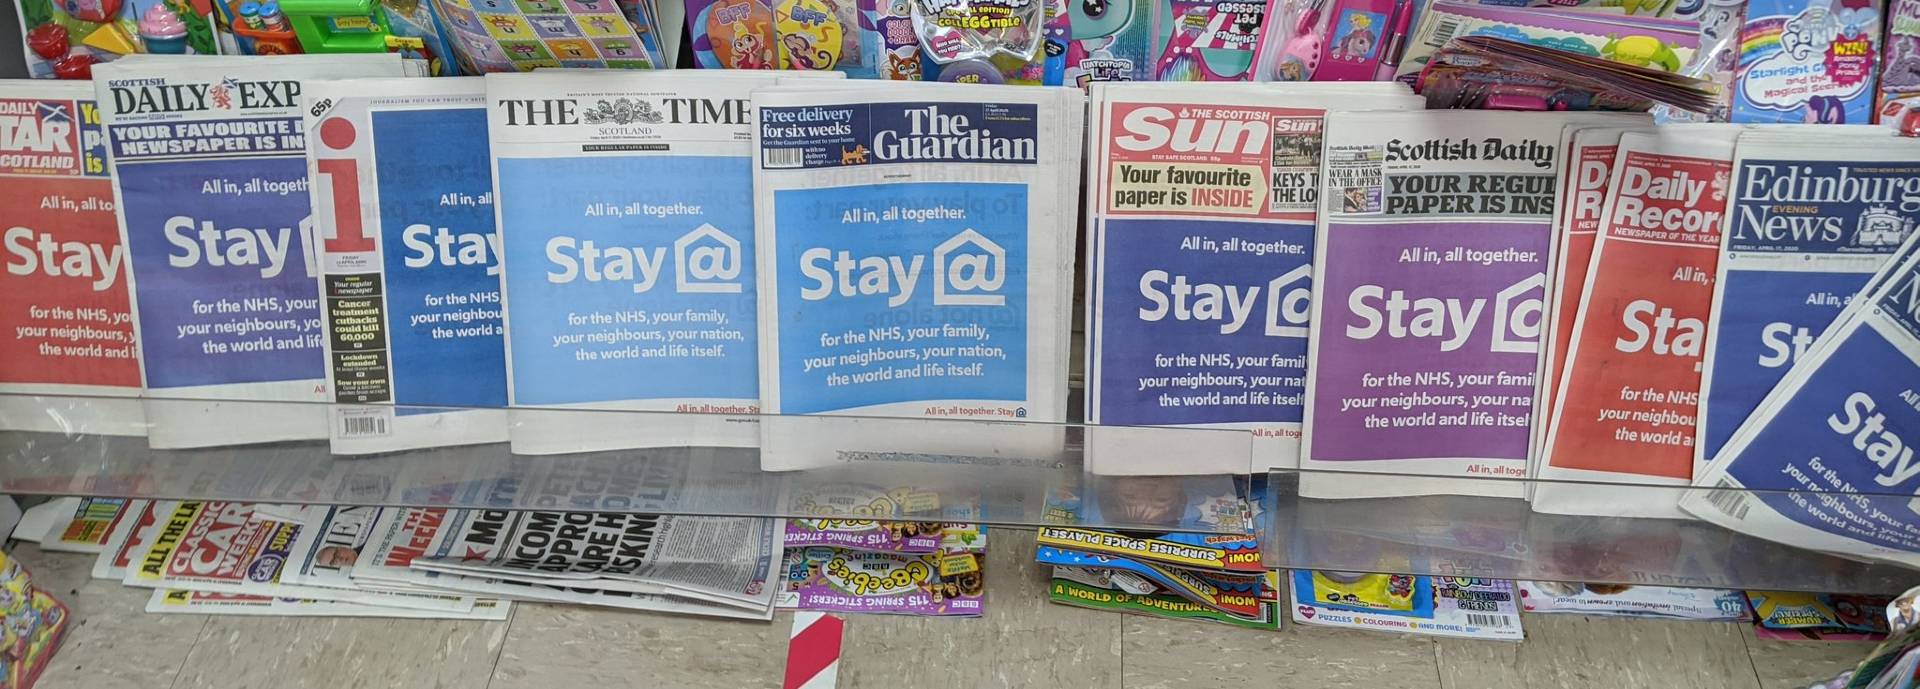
1109 40
818 34
1206 40
731 34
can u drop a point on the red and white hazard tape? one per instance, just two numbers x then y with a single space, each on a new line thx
813 651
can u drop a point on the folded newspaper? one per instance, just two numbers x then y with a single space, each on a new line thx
1831 450
1625 600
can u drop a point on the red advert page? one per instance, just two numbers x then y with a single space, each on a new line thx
1633 377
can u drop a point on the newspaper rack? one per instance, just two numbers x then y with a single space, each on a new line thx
1009 471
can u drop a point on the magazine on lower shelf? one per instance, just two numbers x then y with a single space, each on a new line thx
1625 600
644 300
1629 395
1785 275
1430 275
1107 590
1801 616
1239 594
332 540
128 537
1199 523
1844 420
1200 210
80 525
841 580
409 263
66 310
1439 606
210 175
916 254
184 601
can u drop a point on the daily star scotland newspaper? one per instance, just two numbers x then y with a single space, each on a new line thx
409 263
68 324
330 542
210 175
1200 261
1812 219
1628 400
915 247
1430 270
623 294
185 601
1844 420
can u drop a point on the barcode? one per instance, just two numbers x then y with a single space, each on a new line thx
1730 499
1480 620
362 426
785 157
1443 31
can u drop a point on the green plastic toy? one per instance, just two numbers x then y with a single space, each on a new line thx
338 26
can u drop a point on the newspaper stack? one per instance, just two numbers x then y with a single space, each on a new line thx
239 558
1168 573
908 568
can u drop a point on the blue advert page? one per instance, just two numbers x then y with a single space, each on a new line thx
210 167
626 219
914 257
1812 221
1837 436
410 264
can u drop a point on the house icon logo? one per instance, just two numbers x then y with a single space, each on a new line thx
1517 312
1289 309
969 270
706 260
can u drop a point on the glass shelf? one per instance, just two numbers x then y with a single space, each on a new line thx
993 472
1504 538
1004 473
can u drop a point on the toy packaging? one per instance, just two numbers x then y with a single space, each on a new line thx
522 35
1794 615
1109 40
1807 61
731 34
1663 44
1206 40
65 38
1900 68
1440 606
36 622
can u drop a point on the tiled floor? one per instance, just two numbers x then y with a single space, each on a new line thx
1021 642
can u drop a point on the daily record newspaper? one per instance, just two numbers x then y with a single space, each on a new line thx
916 246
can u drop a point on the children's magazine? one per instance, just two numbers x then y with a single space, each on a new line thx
409 263
1624 600
1812 218
1466 607
209 169
915 254
1807 61
1201 204
1629 395
65 313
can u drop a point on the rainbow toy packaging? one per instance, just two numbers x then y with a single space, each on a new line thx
1807 61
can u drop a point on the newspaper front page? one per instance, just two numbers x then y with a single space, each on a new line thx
916 254
643 298
1813 218
409 263
1431 274
1836 437
209 169
1201 209
1629 395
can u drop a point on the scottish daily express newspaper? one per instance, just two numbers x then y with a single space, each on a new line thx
915 247
209 169
409 263
1201 209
